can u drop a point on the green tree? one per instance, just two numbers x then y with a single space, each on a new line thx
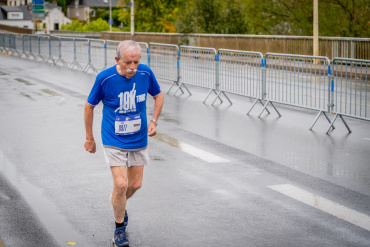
345 18
94 26
72 26
152 15
213 16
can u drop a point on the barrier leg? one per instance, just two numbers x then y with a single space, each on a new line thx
217 97
186 89
332 123
349 130
60 60
264 107
275 109
227 97
327 118
317 117
178 88
254 103
173 84
209 93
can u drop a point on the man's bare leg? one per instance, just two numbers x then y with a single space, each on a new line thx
119 198
135 178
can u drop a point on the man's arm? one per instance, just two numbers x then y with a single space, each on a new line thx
90 145
158 103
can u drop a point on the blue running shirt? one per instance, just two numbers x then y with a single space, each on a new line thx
124 100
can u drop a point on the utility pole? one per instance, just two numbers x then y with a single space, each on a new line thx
132 20
316 27
110 15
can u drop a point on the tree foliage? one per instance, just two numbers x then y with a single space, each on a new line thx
94 26
152 15
345 18
213 16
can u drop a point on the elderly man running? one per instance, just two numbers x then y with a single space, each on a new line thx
123 90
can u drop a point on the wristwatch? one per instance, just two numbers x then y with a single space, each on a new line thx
154 121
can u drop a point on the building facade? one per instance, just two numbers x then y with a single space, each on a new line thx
82 10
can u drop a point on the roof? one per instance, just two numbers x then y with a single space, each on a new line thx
11 8
24 9
48 5
94 3
26 13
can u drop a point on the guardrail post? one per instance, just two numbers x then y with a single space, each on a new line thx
330 90
39 45
22 45
74 49
178 65
105 55
217 71
147 53
89 51
263 78
50 47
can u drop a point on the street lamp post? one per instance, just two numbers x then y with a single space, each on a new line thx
110 15
315 27
132 21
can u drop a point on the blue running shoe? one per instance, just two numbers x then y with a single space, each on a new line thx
120 238
125 220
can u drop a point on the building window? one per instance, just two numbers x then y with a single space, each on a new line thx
15 16
92 13
56 26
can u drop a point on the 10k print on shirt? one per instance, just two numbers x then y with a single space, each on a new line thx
127 101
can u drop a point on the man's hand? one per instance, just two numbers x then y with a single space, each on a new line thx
90 146
152 128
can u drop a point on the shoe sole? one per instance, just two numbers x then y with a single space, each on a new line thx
114 244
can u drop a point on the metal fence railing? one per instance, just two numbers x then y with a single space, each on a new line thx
301 81
240 73
164 61
350 89
340 87
198 66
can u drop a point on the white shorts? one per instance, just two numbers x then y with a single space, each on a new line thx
116 157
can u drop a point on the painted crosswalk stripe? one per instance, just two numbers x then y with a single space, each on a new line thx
189 149
330 207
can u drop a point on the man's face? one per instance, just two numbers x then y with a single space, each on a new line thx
129 63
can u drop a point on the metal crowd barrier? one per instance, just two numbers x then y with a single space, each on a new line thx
144 53
239 72
350 89
198 68
164 61
96 51
301 81
309 82
111 47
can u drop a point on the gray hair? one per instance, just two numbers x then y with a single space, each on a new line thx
127 46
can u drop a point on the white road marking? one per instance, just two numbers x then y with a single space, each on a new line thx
330 207
204 155
189 149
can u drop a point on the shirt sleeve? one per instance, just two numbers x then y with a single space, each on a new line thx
96 94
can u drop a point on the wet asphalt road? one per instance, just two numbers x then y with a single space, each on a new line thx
217 176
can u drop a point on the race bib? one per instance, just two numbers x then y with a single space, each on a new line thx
127 125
